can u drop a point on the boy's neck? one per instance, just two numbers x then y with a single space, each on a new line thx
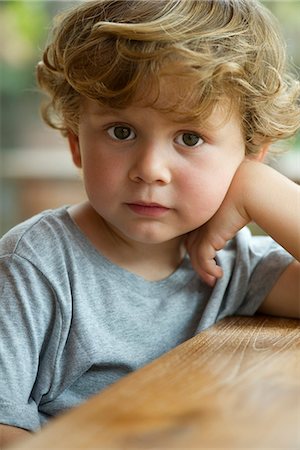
151 261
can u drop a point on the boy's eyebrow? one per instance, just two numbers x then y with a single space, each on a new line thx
107 110
120 113
100 111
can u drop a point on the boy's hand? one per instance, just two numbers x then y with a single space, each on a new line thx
203 243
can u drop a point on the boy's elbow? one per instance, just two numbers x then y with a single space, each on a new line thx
284 298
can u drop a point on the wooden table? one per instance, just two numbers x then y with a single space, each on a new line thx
236 385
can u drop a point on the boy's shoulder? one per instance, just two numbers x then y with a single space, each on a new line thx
40 231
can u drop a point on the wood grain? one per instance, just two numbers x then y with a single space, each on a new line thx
236 385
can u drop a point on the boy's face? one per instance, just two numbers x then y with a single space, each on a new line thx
153 179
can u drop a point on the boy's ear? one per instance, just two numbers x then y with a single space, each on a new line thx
75 149
263 152
260 156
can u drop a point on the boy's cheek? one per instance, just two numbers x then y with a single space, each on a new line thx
209 194
204 201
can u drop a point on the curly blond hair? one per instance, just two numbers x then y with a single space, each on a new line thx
107 49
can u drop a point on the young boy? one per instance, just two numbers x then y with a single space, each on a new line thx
169 108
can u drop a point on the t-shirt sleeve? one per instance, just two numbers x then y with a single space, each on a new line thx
29 320
268 260
251 266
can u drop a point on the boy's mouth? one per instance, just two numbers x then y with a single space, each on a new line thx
148 209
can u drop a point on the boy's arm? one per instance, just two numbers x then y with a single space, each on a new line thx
9 435
260 194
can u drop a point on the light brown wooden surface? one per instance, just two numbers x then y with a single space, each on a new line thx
236 385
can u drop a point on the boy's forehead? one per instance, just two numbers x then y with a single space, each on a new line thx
172 95
220 114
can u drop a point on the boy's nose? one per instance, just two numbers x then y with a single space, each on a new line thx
151 166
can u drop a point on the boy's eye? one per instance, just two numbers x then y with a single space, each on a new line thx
189 139
121 133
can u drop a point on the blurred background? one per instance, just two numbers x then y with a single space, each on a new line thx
36 171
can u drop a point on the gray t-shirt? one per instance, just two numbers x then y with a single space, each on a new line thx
72 322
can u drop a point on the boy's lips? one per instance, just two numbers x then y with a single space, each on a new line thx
148 209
